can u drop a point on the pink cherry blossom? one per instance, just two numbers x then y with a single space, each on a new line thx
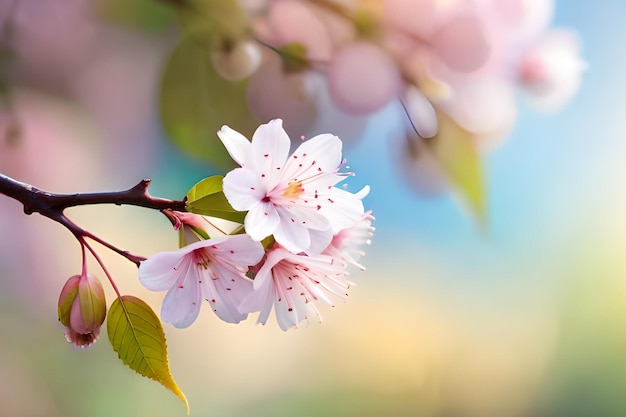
291 283
294 197
213 269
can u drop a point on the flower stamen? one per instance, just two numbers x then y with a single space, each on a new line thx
294 189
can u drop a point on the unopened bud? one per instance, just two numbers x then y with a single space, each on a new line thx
236 60
82 309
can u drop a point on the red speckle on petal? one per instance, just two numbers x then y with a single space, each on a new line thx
266 155
262 175
181 286
330 200
193 303
290 309
213 300
319 207
293 220
232 251
252 188
319 169
295 157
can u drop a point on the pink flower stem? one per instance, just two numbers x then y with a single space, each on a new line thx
84 244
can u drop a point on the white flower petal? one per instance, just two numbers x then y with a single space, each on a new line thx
181 305
158 273
239 251
320 239
261 298
270 147
342 208
243 189
325 149
224 291
261 221
237 145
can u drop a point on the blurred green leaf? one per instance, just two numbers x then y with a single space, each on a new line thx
149 15
218 17
136 335
195 103
454 148
207 198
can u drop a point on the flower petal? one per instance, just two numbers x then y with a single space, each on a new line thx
270 147
261 221
342 209
237 145
243 189
261 298
224 290
157 273
181 305
238 251
321 153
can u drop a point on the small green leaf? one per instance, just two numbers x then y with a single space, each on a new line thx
136 334
195 102
207 198
454 148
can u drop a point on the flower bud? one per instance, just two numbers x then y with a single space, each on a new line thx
82 309
235 60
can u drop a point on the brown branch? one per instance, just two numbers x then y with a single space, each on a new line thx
52 205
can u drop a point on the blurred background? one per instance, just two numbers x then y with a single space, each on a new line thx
522 316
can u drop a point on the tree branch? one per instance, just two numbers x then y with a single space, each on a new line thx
52 205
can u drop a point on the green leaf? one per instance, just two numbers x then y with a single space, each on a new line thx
195 102
454 148
136 335
207 198
150 15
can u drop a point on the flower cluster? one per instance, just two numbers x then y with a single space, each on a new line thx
302 232
332 63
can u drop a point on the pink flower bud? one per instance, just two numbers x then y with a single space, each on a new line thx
82 309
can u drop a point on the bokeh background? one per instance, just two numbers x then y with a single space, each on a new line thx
524 317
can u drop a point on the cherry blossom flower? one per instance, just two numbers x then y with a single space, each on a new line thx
291 283
212 269
293 198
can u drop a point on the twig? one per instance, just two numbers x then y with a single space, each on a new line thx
52 205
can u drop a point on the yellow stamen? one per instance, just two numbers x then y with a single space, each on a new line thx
294 189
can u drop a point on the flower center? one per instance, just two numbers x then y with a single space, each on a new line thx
294 189
201 258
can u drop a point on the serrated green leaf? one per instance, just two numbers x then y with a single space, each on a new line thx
136 334
195 102
207 198
454 148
